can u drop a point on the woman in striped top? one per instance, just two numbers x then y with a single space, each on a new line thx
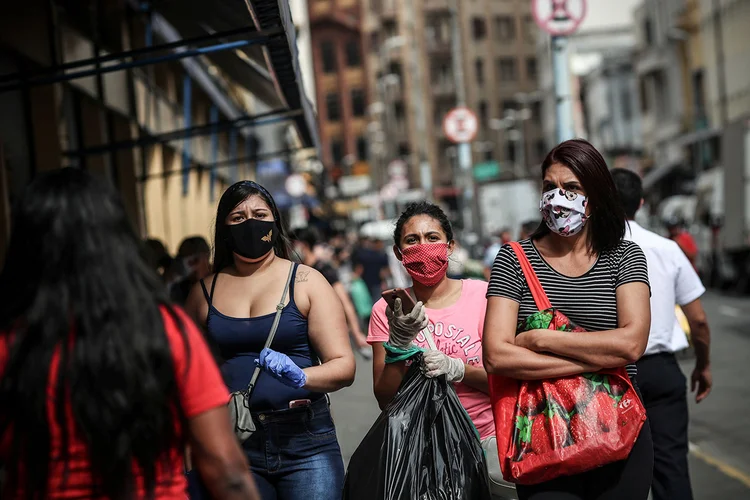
596 279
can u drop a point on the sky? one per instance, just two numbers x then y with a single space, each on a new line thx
603 14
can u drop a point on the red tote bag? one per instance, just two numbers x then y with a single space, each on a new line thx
564 426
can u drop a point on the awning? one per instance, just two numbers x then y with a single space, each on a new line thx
657 174
270 71
697 136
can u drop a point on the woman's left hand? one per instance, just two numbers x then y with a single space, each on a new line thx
282 368
435 363
530 339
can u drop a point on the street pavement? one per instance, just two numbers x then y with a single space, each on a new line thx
719 427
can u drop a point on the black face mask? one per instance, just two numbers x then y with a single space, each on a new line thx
253 238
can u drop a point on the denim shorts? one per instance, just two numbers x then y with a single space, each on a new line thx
294 454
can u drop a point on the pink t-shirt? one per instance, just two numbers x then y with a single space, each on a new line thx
457 331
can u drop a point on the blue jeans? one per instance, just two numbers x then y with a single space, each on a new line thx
294 454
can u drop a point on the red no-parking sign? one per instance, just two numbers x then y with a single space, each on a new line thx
460 125
559 17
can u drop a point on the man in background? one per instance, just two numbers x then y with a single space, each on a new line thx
370 254
306 243
683 238
499 239
527 229
673 281
192 264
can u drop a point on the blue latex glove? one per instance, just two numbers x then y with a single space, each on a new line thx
282 368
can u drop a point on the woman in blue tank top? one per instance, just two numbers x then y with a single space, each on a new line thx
294 452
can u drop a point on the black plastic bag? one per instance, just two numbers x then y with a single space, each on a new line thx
423 446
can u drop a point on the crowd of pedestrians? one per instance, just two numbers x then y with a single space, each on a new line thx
117 360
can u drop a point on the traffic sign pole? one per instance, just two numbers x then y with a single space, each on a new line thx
560 18
563 105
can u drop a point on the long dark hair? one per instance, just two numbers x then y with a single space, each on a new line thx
75 289
607 220
422 208
233 196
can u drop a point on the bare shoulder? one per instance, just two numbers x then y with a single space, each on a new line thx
306 274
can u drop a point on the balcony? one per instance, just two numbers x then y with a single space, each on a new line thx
436 5
437 45
443 88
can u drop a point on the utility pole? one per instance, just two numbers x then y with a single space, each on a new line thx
463 149
418 102
720 61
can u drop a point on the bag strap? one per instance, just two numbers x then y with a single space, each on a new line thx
535 287
274 327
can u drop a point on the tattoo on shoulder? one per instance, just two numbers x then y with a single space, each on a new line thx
302 275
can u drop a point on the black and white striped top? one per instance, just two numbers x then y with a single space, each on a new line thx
589 300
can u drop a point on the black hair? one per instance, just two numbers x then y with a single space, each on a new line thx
530 226
307 235
630 189
422 208
155 253
194 245
74 288
607 217
233 196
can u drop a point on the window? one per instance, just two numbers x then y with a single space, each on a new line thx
403 149
541 149
337 152
506 69
505 28
510 151
479 70
398 110
648 32
353 56
358 102
627 108
479 27
531 70
536 111
394 68
375 41
328 54
699 99
361 148
530 29
507 105
483 117
333 110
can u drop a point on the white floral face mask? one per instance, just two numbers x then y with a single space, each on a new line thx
564 212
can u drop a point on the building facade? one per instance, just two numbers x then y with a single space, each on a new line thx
412 61
341 85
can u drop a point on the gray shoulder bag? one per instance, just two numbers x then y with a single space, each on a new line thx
239 402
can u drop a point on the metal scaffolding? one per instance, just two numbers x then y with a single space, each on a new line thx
268 25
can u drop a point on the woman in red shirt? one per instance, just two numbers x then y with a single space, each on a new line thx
102 381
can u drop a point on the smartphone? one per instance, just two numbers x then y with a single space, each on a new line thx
299 403
407 302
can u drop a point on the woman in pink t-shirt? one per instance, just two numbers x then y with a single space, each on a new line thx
455 312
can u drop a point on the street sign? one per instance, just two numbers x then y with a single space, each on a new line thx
559 17
486 171
460 125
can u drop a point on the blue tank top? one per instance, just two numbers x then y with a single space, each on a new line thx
240 341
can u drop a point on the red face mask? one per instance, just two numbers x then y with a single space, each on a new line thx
426 263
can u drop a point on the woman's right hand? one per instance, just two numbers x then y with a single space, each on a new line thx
403 328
